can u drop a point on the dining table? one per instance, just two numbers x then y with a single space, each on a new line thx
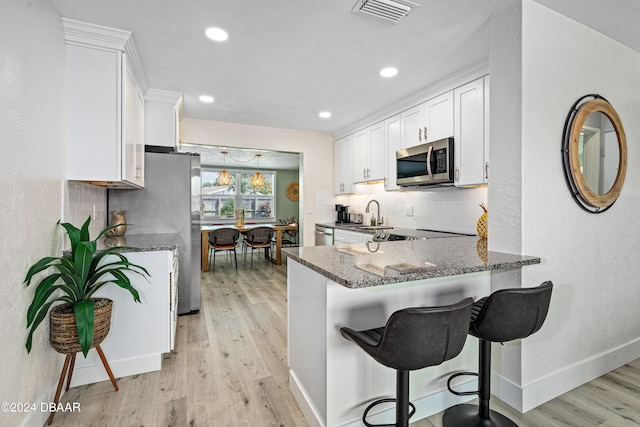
277 228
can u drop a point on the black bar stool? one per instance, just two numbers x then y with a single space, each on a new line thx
413 338
505 315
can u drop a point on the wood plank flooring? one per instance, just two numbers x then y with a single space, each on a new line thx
229 368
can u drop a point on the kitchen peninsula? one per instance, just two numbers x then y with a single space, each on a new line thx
360 286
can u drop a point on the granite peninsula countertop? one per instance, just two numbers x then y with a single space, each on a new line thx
362 265
139 242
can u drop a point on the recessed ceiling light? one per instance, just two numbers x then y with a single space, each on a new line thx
216 34
206 99
325 114
388 72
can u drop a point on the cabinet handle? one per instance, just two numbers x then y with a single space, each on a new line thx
456 175
425 134
419 134
486 170
364 172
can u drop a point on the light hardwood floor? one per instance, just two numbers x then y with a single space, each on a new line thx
229 368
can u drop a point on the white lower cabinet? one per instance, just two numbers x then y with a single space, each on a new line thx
140 332
344 237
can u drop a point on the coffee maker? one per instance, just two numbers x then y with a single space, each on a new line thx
342 214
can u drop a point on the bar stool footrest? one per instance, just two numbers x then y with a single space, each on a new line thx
462 393
377 402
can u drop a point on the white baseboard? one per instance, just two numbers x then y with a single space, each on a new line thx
426 405
563 380
310 412
121 368
38 418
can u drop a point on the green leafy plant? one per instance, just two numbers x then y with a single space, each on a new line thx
75 279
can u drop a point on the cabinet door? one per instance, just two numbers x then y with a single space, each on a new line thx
360 155
439 117
412 124
487 111
469 134
377 153
392 144
133 132
343 163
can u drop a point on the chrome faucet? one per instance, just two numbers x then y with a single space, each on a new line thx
378 220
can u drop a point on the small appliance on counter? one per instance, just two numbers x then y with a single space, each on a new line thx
342 214
355 218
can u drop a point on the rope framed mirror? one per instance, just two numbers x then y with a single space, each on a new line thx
594 152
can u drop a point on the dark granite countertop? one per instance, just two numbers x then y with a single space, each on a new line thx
139 242
363 265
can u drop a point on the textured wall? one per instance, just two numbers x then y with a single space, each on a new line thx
31 172
592 325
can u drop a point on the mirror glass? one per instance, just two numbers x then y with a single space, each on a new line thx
594 153
599 153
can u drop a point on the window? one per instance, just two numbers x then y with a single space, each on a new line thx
220 202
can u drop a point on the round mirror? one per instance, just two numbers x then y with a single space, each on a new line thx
594 153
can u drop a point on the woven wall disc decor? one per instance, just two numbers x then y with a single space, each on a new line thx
293 191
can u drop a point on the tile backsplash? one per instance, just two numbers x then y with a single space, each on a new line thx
82 200
445 209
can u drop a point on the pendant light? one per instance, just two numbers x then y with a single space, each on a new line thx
257 180
224 178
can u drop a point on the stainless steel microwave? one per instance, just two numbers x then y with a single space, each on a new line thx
426 164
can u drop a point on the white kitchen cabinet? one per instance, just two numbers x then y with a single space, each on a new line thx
162 118
392 143
430 121
105 107
369 154
470 137
343 163
140 332
344 237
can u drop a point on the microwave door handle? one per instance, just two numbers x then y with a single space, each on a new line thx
429 161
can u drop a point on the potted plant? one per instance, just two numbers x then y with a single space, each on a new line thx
75 279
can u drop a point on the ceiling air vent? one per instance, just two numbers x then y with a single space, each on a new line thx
384 9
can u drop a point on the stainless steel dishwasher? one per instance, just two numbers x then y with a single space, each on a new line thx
324 235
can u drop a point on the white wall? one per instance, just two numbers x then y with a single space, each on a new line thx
592 326
33 193
316 149
31 172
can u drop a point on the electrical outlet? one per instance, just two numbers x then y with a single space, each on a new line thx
408 210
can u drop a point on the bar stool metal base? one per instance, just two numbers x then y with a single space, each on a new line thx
468 416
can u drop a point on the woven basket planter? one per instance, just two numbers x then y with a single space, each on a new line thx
64 333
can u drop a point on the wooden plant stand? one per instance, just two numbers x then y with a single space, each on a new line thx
69 363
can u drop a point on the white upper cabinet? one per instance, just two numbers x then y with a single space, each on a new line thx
369 154
430 121
470 138
162 118
392 144
343 164
105 107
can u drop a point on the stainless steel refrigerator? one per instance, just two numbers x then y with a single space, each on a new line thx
170 202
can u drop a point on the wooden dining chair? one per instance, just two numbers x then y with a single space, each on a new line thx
259 238
223 239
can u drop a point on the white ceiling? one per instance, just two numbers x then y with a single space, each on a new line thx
287 60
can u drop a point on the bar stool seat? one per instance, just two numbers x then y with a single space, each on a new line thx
505 315
413 338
